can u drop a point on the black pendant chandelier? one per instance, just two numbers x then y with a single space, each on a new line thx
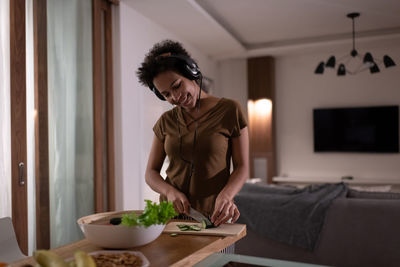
347 64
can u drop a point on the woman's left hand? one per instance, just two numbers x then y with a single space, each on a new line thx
224 210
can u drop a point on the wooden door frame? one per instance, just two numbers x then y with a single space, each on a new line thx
103 139
98 126
41 125
19 185
110 105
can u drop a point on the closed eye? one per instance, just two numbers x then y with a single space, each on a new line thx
174 87
177 85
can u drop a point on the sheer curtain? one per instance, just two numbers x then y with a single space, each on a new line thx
30 127
5 126
69 33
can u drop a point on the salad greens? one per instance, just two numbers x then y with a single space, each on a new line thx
153 214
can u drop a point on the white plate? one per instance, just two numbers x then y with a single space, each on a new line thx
145 261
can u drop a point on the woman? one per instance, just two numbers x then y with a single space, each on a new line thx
200 136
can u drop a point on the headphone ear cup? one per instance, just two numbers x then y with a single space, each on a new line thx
193 71
158 94
188 67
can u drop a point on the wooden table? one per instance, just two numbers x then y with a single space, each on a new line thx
166 250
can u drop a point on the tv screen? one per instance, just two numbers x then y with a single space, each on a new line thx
359 129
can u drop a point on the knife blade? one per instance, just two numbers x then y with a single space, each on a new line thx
200 218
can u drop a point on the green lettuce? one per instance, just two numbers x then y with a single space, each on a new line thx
153 214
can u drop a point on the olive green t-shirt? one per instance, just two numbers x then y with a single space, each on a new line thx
210 155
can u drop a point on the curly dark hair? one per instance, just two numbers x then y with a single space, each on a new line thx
155 62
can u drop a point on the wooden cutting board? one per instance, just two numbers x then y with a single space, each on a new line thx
227 229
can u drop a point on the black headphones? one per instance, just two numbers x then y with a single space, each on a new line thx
187 67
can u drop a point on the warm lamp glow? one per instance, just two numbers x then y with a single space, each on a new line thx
260 133
261 107
260 122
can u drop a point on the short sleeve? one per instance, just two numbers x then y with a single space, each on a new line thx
158 129
239 120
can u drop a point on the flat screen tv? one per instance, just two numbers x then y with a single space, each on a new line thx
357 129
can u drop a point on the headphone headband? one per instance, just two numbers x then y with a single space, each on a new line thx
189 69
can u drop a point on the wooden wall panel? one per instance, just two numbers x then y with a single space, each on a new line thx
261 85
261 77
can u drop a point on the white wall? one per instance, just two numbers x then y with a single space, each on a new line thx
136 108
233 81
299 90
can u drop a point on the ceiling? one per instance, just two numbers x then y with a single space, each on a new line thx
241 28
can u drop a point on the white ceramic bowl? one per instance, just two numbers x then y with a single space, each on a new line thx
97 230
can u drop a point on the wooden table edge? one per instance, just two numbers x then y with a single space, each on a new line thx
216 246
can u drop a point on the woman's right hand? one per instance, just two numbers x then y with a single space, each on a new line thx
179 200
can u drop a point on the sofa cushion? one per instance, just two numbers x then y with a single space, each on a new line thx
351 193
372 188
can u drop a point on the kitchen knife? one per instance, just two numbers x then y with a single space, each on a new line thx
200 218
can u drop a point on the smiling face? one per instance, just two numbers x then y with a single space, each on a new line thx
177 89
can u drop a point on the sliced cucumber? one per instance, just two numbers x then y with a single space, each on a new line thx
195 228
183 227
188 227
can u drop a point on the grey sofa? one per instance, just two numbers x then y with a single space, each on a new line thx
362 229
